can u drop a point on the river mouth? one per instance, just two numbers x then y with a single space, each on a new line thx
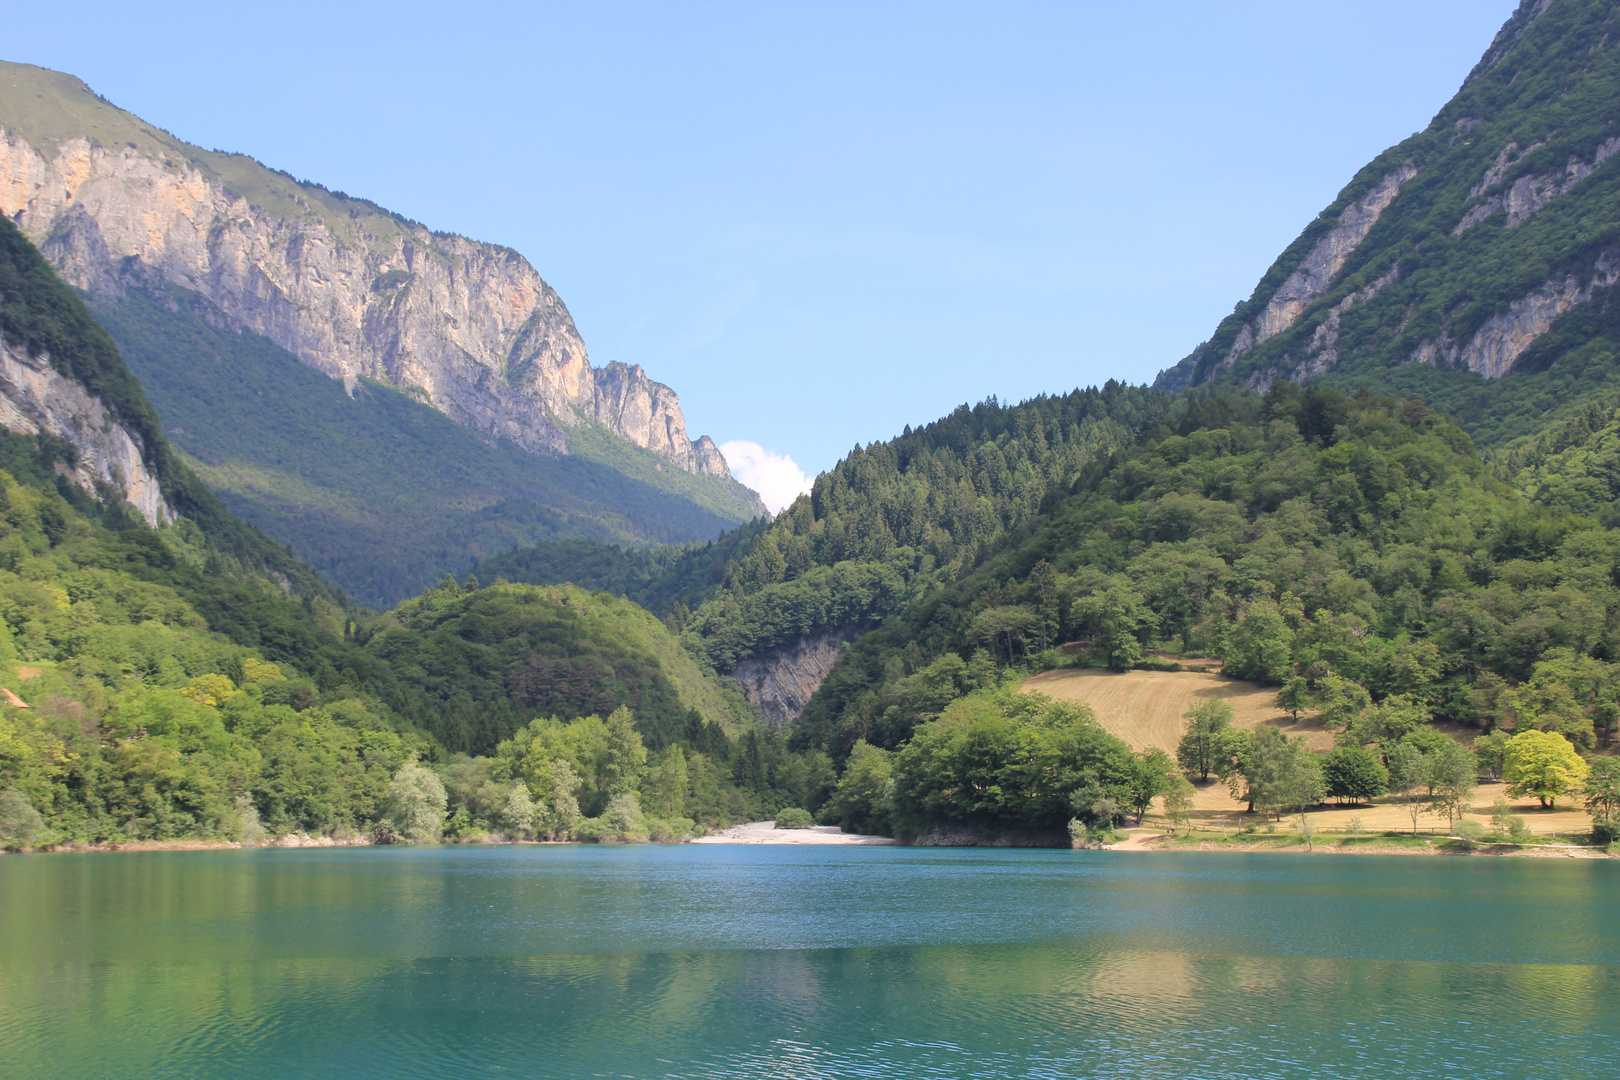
763 961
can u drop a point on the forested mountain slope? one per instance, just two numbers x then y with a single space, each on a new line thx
201 245
1475 262
772 604
168 672
1353 552
373 488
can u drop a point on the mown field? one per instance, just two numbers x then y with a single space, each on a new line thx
1148 709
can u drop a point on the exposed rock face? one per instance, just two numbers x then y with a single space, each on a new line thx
1495 346
1517 170
349 289
35 397
1315 275
781 684
1530 193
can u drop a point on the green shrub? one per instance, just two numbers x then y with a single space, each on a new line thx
794 818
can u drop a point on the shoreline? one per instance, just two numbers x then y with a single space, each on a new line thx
1369 845
766 832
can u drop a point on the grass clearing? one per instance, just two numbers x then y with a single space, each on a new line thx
1149 708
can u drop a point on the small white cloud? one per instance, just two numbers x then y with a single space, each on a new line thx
776 477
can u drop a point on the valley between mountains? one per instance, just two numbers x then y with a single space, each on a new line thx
316 522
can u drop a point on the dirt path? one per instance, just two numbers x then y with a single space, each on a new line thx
1149 708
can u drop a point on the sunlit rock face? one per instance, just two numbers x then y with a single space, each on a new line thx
348 288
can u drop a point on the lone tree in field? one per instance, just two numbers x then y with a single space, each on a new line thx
1150 776
1178 802
1294 696
1543 764
1354 774
1199 751
1409 778
1452 773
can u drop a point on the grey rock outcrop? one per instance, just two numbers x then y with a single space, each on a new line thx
348 288
1497 345
35 397
781 683
1320 267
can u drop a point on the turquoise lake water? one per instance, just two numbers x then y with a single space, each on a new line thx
724 962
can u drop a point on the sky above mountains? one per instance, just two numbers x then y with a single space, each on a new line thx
819 222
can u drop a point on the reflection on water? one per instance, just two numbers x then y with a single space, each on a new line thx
758 962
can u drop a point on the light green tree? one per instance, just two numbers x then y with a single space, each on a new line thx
1150 777
1260 645
1198 751
627 755
558 810
860 804
1342 701
667 784
415 804
1543 764
20 823
1294 696
1452 774
1178 802
518 812
1409 778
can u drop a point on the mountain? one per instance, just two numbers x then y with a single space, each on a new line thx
1475 262
213 272
171 673
773 605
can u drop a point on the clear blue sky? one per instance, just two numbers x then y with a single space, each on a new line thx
818 222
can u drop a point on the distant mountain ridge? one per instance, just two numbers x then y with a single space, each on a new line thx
1486 245
349 288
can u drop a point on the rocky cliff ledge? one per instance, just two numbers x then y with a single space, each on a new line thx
345 286
781 683
35 397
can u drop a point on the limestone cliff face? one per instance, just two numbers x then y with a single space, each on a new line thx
346 287
1495 346
1320 268
35 397
781 684
1470 245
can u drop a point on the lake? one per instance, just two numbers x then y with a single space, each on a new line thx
753 961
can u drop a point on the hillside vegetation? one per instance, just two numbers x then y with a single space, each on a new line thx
382 493
1497 257
196 682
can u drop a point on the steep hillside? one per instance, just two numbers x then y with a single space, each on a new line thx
168 672
772 605
1354 551
1474 263
129 214
378 491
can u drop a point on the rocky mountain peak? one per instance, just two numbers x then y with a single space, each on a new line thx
349 288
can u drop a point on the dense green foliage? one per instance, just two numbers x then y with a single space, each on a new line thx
671 577
474 665
1535 112
380 492
197 682
1356 545
151 713
893 521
